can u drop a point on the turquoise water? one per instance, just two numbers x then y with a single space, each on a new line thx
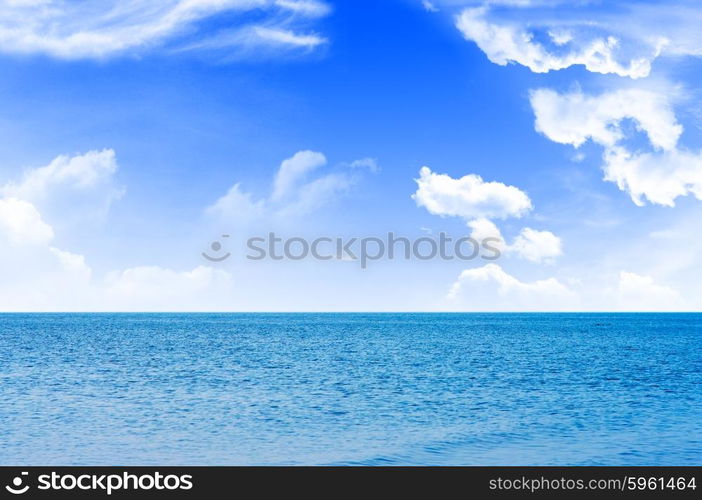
370 389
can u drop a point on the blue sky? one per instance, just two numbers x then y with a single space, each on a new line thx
127 126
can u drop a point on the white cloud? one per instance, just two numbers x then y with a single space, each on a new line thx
482 228
537 246
73 263
287 37
293 170
295 192
553 34
41 277
76 30
561 37
153 288
21 223
574 117
317 193
79 173
478 201
305 7
371 164
72 188
56 280
469 197
642 293
37 276
660 175
491 288
257 41
529 244
237 203
507 41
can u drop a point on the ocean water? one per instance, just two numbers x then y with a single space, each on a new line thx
366 389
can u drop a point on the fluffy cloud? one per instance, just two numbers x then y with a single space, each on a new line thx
21 223
72 263
296 191
478 201
660 175
490 288
62 281
509 42
70 187
643 30
75 30
537 246
38 276
482 229
529 244
573 118
41 277
642 293
80 172
469 197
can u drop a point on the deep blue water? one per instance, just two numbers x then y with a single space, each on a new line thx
350 389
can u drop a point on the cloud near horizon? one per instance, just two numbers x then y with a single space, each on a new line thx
38 276
641 293
490 288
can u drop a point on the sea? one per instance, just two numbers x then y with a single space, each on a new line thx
350 389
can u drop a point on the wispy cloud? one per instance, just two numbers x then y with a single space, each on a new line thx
80 30
296 190
429 7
